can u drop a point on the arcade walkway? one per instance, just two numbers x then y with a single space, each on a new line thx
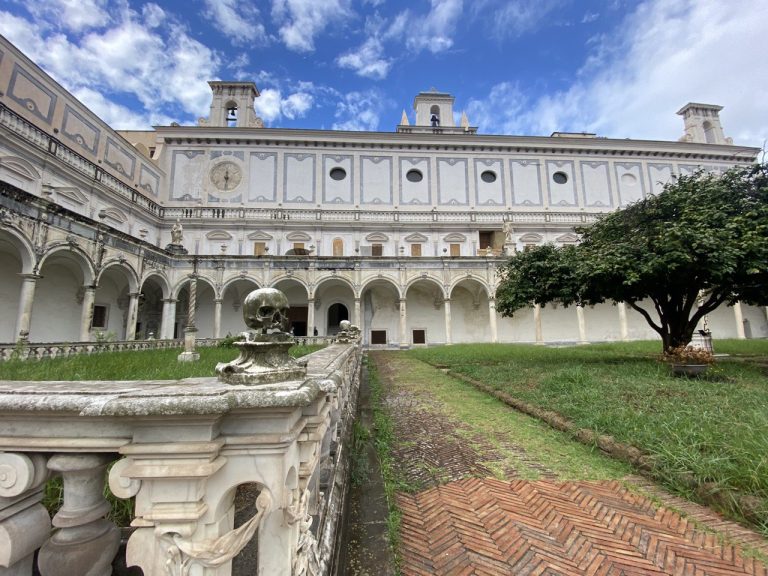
498 493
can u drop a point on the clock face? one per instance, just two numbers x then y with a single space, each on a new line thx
226 176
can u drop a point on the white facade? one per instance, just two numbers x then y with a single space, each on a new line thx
400 232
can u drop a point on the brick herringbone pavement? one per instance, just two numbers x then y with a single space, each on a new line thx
546 528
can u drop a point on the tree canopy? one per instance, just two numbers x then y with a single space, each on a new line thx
701 242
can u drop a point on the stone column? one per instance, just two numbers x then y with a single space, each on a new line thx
86 543
448 329
357 318
310 317
403 324
169 319
537 323
24 521
190 332
86 314
739 317
623 327
133 313
492 319
26 299
582 324
217 318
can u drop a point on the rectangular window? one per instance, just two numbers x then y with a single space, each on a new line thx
378 336
455 249
415 249
419 336
486 240
377 249
99 317
298 245
259 248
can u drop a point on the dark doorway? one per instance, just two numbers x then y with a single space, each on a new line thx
336 313
378 336
298 316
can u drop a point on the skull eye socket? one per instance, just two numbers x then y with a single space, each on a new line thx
266 311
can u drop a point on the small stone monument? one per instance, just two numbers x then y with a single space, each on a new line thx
344 327
264 355
177 236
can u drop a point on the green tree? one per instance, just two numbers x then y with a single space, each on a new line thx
701 242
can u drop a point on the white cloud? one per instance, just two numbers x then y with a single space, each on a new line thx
501 112
367 60
164 68
663 55
117 116
359 111
297 105
271 105
433 32
153 15
74 15
238 20
515 18
302 20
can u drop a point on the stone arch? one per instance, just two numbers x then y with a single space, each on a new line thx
425 312
16 259
58 311
380 311
115 282
470 313
74 253
233 294
155 295
297 292
329 292
130 273
204 309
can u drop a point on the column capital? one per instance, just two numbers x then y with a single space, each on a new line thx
169 300
134 294
30 277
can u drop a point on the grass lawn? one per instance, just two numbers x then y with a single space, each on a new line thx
133 365
706 434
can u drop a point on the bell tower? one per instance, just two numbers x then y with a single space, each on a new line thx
232 105
434 114
702 124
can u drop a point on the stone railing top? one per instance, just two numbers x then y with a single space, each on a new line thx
188 396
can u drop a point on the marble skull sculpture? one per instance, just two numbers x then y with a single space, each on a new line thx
266 310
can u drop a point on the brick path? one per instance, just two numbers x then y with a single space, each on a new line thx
477 525
494 527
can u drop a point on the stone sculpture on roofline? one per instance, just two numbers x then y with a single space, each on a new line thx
264 357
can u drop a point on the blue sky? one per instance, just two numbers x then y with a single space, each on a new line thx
620 68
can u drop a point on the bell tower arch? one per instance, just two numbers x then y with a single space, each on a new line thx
232 105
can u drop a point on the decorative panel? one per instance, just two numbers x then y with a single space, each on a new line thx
452 181
489 193
596 184
526 184
376 180
149 181
76 128
299 178
414 190
658 176
337 179
629 176
119 158
562 190
688 169
188 169
262 182
32 94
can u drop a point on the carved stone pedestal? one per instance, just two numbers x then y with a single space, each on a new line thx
24 522
263 359
85 543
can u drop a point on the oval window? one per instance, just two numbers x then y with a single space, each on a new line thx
414 176
338 173
488 176
560 177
